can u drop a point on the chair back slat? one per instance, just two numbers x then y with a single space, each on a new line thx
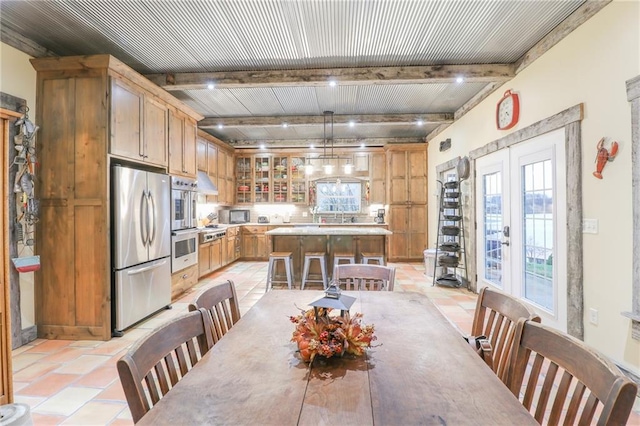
365 277
495 318
221 303
350 284
149 370
172 372
161 375
152 387
533 381
579 383
181 360
574 405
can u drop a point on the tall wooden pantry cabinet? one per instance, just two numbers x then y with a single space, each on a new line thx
407 198
93 110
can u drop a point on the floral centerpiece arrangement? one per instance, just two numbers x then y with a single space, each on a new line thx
318 333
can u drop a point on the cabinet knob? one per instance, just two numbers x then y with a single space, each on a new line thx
184 277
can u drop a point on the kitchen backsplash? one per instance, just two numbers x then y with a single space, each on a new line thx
288 213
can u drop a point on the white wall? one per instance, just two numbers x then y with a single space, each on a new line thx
589 66
18 78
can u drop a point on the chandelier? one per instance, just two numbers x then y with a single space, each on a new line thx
328 159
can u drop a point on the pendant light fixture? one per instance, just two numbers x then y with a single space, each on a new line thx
328 123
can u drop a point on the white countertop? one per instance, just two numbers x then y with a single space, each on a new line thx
316 230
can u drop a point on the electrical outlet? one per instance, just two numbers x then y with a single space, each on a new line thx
593 316
589 226
304 214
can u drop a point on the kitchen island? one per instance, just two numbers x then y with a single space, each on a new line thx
302 239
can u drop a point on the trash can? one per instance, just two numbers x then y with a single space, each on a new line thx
429 263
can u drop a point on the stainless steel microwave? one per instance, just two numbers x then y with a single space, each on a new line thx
234 216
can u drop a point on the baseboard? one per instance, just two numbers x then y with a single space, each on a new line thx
29 334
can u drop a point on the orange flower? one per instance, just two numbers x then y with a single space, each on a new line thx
330 335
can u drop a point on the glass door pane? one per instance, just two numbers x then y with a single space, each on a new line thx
538 230
493 223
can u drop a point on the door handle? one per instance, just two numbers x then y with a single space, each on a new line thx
505 243
143 234
152 217
146 268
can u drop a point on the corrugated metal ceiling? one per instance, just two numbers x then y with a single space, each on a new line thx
206 36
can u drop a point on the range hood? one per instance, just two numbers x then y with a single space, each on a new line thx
205 186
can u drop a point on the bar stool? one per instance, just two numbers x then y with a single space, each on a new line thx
337 257
320 257
366 257
287 258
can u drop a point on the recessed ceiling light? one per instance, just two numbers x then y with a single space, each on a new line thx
333 83
211 86
420 123
460 80
220 126
352 123
285 125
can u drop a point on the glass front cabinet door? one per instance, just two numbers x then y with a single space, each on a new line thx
243 180
280 180
298 180
261 181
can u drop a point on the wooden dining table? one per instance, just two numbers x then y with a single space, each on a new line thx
418 371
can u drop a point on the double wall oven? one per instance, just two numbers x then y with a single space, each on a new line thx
184 235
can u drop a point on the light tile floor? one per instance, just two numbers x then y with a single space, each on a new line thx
76 382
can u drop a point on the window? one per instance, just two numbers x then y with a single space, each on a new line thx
339 196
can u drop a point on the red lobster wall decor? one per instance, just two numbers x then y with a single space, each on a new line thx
603 156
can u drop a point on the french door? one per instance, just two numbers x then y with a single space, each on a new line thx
521 224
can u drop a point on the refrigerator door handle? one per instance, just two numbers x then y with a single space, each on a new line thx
143 228
146 268
152 217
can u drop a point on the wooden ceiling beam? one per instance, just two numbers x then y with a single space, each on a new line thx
23 44
342 76
317 143
306 120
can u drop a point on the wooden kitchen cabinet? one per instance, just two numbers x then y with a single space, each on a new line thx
231 248
234 245
407 197
204 259
216 159
209 257
183 280
230 179
224 253
377 178
407 174
409 226
255 244
92 111
221 176
201 155
182 145
139 125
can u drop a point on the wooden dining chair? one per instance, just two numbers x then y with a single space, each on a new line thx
151 368
494 322
221 302
365 277
581 386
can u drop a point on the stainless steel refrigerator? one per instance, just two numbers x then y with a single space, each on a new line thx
141 244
